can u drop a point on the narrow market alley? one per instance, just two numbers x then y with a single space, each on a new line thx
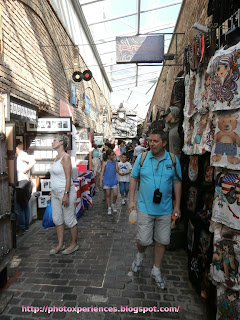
98 275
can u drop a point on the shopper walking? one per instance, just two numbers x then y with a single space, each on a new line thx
125 169
138 150
63 196
108 180
23 189
157 178
96 162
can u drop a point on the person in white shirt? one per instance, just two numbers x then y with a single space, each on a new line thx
23 189
125 169
138 150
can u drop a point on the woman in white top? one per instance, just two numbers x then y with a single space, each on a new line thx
63 196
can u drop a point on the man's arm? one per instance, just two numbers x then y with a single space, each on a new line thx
132 186
177 185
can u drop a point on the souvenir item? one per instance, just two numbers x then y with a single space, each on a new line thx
210 133
188 128
190 84
201 96
224 93
208 171
192 197
204 104
193 168
226 147
228 304
224 268
200 259
226 205
202 124
205 213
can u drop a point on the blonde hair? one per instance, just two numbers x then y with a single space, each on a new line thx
64 138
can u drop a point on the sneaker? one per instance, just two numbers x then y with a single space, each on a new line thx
160 282
114 208
20 233
125 199
123 202
137 266
109 211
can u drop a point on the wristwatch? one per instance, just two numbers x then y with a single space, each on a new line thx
66 192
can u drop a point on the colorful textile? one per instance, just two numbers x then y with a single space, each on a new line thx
190 103
226 148
228 304
85 188
224 93
202 126
224 268
188 127
226 206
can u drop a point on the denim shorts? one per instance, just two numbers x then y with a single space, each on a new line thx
159 224
124 187
110 187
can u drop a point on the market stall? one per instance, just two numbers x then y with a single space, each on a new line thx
211 169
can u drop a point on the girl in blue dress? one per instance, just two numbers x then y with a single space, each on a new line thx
108 180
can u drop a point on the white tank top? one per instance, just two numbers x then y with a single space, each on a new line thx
58 177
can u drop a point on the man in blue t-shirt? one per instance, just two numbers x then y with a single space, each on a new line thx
157 179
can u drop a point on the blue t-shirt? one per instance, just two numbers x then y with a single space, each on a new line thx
156 174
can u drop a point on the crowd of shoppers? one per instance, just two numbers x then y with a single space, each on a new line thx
151 167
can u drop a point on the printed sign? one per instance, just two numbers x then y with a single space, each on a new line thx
23 111
140 49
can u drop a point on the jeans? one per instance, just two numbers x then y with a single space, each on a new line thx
124 187
23 216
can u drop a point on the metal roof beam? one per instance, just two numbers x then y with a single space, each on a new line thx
135 13
76 5
87 3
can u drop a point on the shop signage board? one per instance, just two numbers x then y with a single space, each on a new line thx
50 125
137 49
23 111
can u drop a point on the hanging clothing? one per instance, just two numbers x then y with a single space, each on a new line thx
224 268
226 147
226 205
224 93
228 304
190 104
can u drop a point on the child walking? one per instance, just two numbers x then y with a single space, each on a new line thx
125 169
108 180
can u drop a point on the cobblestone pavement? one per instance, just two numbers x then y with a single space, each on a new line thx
97 275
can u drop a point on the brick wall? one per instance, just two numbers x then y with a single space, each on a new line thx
192 11
38 61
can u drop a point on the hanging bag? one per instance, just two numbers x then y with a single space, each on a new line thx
47 221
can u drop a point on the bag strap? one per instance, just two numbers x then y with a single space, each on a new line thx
143 157
173 158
